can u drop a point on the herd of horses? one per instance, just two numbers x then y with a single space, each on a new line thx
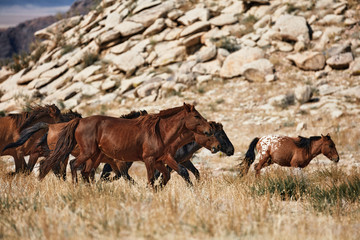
164 141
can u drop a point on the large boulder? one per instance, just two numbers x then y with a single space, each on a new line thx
310 61
232 66
292 28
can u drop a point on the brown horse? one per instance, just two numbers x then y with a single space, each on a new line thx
209 142
13 124
141 139
289 152
41 146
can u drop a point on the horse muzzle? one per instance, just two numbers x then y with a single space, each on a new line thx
335 159
215 149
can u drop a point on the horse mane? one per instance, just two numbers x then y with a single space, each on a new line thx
70 115
169 112
306 142
134 114
22 120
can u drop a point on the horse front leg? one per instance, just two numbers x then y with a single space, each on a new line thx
170 161
164 171
34 156
20 164
189 165
150 169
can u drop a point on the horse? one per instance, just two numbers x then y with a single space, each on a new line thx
41 148
48 141
141 139
13 124
289 152
184 153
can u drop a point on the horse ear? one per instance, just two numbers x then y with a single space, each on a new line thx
192 107
187 108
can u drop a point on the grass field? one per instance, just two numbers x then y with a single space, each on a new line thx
318 203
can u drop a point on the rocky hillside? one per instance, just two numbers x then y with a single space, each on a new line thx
256 66
17 39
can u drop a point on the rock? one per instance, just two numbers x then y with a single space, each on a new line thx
301 126
95 78
236 8
331 19
109 36
214 34
340 61
211 67
174 55
310 61
329 33
112 20
257 70
148 16
144 5
222 54
338 49
233 63
5 74
193 39
128 84
263 22
194 15
270 78
326 89
156 27
35 73
128 28
355 67
84 74
206 54
49 76
120 48
291 28
224 19
351 92
127 62
108 84
148 89
303 94
283 46
91 48
175 14
58 82
282 101
195 28
173 34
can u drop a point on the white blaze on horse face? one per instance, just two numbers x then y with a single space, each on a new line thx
269 141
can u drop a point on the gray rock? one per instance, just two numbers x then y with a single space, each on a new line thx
84 74
127 62
257 70
303 94
355 67
312 61
340 61
331 19
194 15
292 28
174 55
112 20
224 19
338 49
282 101
120 48
127 28
36 72
148 16
108 84
156 27
148 89
195 28
233 63
211 67
206 54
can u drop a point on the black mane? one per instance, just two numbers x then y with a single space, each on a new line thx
306 142
134 114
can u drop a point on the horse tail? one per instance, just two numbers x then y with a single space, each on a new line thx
64 146
249 156
26 134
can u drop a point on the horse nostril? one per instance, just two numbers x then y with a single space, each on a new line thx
207 133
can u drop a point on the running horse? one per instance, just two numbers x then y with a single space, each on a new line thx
48 136
182 153
13 124
289 152
142 139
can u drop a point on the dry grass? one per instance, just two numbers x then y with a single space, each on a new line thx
221 207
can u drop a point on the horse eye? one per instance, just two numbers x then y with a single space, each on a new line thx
198 117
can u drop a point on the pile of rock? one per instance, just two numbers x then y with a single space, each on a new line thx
146 49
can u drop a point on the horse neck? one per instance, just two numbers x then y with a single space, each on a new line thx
172 127
315 148
186 137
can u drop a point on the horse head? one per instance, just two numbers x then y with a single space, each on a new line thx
209 142
226 145
54 113
328 148
195 122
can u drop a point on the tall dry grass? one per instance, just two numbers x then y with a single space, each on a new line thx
217 207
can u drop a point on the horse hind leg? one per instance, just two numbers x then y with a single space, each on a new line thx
165 173
263 162
170 161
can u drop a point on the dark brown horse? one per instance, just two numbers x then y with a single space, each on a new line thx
184 153
289 152
142 139
13 124
41 146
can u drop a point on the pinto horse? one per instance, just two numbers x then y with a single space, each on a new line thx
41 146
13 124
142 139
183 154
289 152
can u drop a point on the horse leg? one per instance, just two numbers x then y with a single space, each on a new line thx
170 161
34 156
189 165
60 169
150 169
165 173
264 159
20 164
124 171
106 172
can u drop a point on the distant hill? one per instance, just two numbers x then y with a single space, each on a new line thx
17 39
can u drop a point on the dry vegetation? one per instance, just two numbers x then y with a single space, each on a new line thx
321 204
